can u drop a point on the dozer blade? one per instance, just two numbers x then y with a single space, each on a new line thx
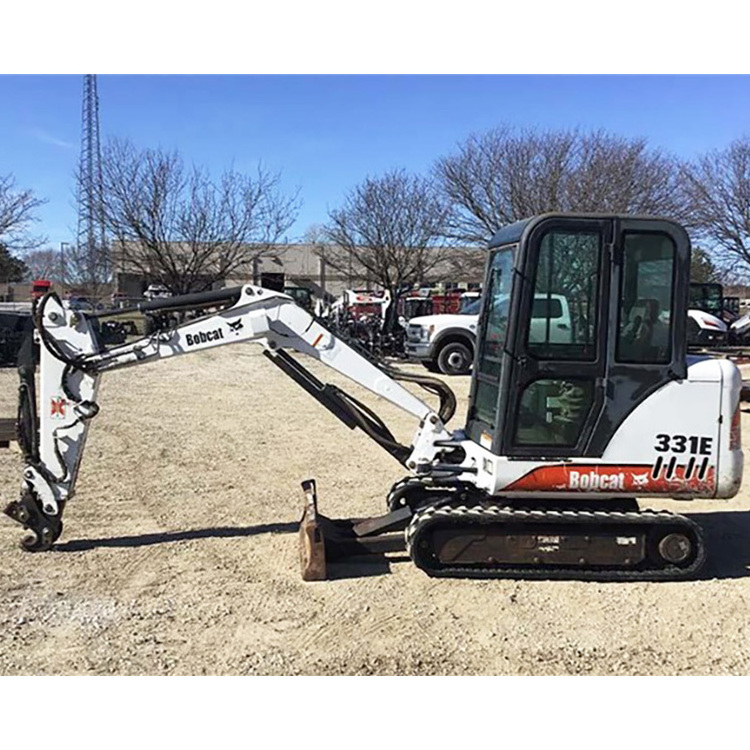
312 545
323 540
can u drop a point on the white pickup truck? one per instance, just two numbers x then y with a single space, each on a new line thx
446 343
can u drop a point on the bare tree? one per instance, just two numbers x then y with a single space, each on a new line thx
505 175
175 226
87 268
718 188
17 209
702 268
389 228
43 264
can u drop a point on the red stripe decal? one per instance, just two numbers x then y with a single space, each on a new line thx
615 478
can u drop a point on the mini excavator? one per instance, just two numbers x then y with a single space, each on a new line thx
570 417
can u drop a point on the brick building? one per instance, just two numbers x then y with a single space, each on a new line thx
300 265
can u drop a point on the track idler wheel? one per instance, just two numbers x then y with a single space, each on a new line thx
675 548
45 530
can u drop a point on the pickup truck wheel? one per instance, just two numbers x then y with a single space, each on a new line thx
455 359
430 365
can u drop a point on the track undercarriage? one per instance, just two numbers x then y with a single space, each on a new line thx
454 531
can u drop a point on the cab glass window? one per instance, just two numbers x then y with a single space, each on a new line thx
563 322
492 335
707 297
496 321
553 412
647 286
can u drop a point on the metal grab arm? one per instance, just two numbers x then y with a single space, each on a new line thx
72 361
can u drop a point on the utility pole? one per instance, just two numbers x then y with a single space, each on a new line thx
63 266
91 251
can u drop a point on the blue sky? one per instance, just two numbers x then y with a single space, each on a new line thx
325 134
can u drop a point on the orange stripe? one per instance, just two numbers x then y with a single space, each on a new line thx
317 340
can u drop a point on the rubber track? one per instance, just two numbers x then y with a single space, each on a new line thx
482 514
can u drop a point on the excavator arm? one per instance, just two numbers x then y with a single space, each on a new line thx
72 361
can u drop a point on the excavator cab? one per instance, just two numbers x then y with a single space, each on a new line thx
583 318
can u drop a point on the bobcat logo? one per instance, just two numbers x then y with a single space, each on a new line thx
640 480
236 325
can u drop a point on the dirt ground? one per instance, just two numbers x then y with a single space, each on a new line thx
179 555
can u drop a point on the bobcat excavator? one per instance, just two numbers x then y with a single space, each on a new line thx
565 428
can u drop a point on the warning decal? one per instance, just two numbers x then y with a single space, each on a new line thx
57 407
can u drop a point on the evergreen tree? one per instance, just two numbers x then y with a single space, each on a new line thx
11 268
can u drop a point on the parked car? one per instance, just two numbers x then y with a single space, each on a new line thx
14 327
157 291
83 304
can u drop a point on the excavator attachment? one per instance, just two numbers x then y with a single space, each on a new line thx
324 540
312 546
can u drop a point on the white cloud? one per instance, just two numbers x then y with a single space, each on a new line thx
45 137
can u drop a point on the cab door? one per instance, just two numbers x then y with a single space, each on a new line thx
647 321
558 348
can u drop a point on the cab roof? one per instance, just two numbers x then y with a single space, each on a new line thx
510 233
514 232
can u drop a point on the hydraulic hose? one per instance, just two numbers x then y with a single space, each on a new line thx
432 385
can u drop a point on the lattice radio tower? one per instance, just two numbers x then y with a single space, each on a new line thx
91 247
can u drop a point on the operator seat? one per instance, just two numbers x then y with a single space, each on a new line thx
645 338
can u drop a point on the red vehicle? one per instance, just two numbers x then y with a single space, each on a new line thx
40 287
427 302
361 304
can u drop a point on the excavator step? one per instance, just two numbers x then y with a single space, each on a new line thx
496 541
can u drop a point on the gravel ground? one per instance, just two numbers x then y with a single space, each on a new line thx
179 555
